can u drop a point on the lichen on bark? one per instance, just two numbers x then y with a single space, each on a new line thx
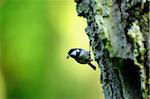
118 32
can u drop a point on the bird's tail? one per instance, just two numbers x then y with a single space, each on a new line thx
94 67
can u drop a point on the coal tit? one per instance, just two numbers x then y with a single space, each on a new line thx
81 56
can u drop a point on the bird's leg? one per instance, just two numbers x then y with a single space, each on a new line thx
90 52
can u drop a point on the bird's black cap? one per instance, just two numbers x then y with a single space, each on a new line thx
71 50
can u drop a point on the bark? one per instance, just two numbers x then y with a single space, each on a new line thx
118 32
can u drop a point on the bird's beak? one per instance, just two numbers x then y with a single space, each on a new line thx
68 57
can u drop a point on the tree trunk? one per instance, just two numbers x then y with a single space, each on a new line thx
118 32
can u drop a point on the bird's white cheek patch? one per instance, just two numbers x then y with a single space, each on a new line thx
73 53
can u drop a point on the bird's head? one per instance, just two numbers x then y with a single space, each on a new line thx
72 53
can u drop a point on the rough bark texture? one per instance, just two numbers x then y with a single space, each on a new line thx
118 31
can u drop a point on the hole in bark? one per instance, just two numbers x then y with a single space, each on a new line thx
131 76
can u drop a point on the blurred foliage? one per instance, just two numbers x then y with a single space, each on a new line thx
35 36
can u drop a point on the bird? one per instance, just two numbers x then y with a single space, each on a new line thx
82 56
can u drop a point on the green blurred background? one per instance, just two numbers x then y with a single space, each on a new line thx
35 36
